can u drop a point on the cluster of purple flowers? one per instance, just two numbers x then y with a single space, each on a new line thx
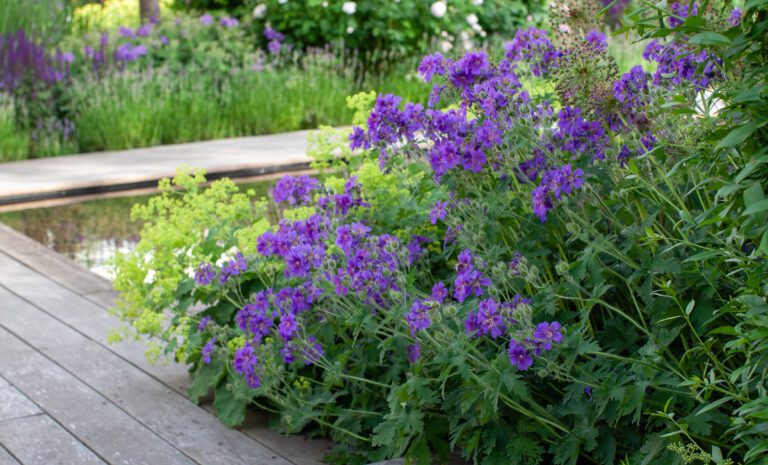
294 190
521 353
208 350
246 363
341 204
233 267
298 243
469 281
128 52
631 91
580 137
554 184
677 62
205 274
23 60
274 40
533 47
681 11
492 318
279 311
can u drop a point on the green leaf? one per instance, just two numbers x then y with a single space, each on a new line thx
566 451
713 405
756 207
764 243
206 377
737 135
710 38
229 408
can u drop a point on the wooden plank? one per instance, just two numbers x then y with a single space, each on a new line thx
39 440
13 404
86 317
103 427
51 264
299 449
173 417
6 458
3 382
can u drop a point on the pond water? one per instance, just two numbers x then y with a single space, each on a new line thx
90 232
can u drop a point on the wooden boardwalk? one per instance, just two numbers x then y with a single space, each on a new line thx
104 172
67 397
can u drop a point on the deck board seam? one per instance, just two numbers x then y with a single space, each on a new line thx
7 420
76 377
2 446
106 347
43 410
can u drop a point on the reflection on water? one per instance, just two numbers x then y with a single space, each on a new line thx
90 232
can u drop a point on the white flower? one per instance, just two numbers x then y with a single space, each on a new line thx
478 2
325 4
350 30
707 105
260 11
349 8
445 46
472 19
564 28
438 9
282 2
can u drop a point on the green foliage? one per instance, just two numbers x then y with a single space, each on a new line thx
657 269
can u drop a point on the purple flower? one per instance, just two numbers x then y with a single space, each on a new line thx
67 57
288 355
439 292
438 212
680 11
596 39
126 32
204 274
534 48
274 47
519 355
204 322
144 30
287 327
294 190
468 69
417 317
735 18
233 267
414 352
208 350
272 34
414 248
470 284
245 363
432 65
206 19
488 319
229 22
547 333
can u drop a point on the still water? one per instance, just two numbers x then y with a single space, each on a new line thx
90 232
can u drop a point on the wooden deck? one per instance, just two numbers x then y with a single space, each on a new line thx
67 397
47 179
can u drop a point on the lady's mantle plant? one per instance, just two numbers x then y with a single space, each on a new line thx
544 265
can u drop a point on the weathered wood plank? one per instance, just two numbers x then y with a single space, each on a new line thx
13 404
92 419
3 382
299 449
51 264
39 440
173 417
86 317
6 458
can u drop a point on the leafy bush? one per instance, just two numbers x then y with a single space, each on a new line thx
553 262
404 27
